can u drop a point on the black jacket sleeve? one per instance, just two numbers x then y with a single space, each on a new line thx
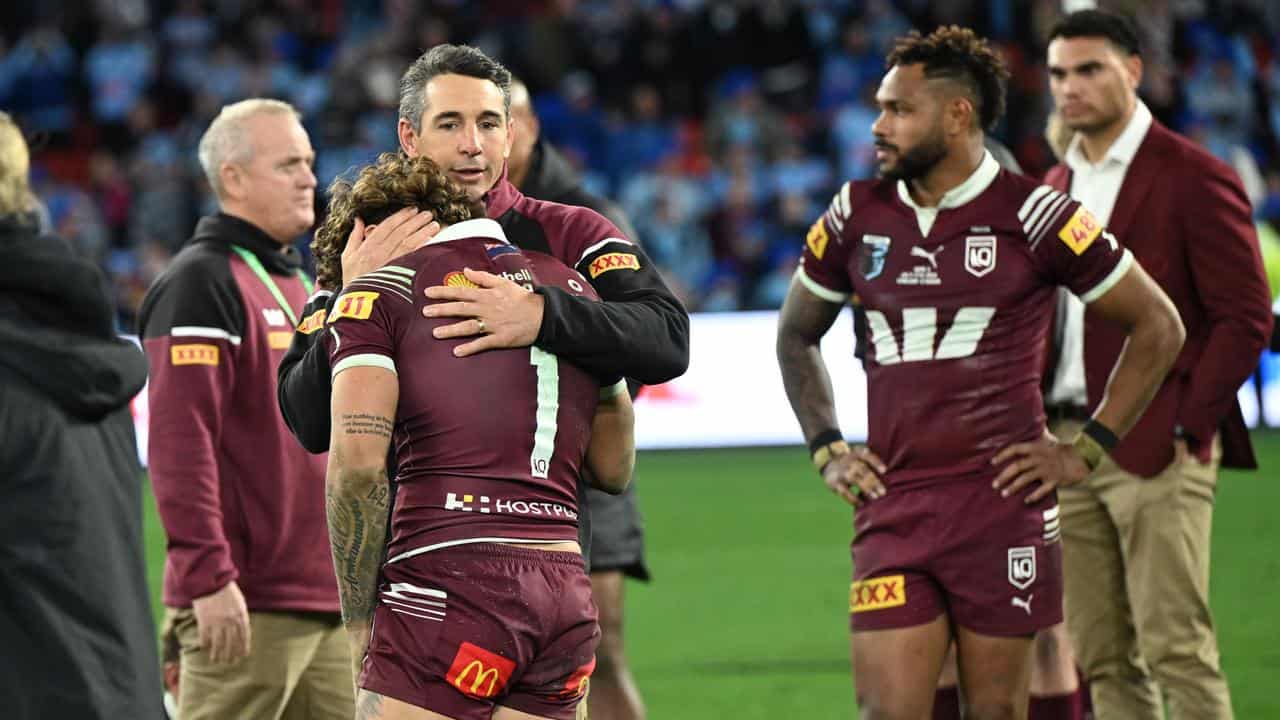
641 331
303 386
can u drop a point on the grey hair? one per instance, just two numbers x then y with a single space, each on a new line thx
227 140
448 60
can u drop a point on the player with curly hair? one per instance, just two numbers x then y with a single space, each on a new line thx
482 607
955 264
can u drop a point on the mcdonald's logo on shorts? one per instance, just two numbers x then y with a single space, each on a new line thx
877 593
578 682
478 673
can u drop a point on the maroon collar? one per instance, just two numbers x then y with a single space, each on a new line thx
501 197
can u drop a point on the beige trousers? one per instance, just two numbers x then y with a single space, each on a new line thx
298 668
1136 566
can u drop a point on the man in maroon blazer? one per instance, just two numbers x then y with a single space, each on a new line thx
1136 534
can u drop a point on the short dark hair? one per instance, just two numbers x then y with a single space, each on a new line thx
959 54
1119 29
448 60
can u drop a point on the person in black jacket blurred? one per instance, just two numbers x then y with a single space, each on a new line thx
76 635
616 550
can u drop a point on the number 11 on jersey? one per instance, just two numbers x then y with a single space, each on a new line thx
544 434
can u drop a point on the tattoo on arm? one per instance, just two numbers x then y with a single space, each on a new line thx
362 424
805 318
356 504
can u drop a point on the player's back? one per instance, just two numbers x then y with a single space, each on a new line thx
490 446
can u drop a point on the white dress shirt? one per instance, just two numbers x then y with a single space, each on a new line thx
1096 186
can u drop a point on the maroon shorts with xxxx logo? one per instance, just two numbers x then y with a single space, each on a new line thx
463 629
993 564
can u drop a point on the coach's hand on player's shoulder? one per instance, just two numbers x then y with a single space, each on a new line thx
503 313
369 248
1049 461
222 619
855 476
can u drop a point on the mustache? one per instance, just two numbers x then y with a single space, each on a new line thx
881 145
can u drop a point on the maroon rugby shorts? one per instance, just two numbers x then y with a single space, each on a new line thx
993 564
461 630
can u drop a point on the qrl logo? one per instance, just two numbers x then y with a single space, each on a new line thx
1022 566
980 254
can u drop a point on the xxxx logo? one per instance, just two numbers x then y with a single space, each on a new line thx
877 593
613 261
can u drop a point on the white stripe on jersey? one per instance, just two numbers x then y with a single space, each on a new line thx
364 360
836 222
843 197
204 332
825 293
399 590
1110 280
882 338
1032 199
394 288
1049 218
599 245
319 293
1040 210
469 541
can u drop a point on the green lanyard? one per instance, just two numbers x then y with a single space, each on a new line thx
256 265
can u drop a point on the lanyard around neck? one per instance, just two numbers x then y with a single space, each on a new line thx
256 266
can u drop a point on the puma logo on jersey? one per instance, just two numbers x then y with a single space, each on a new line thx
932 257
1024 604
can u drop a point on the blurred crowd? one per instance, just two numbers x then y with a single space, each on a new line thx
721 126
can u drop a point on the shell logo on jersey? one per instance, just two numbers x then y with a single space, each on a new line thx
312 322
195 354
613 261
817 239
478 673
877 593
355 305
1080 231
457 279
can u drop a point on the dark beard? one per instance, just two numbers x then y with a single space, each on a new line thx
918 161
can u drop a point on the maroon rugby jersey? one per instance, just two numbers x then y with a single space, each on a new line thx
958 312
490 447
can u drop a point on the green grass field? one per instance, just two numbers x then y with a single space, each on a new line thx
747 615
